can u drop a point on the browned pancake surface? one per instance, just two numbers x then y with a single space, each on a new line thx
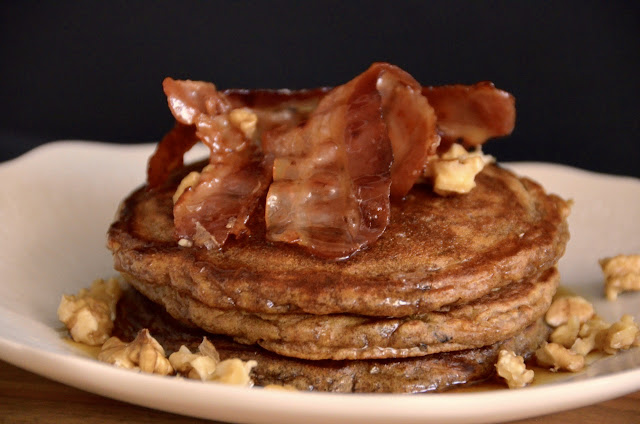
437 251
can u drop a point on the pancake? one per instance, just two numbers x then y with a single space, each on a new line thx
435 372
497 316
436 252
408 291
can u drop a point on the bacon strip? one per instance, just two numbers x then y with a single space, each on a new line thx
169 153
228 189
222 201
411 123
189 99
471 113
331 179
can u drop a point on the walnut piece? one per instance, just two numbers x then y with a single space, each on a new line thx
245 120
557 357
144 354
234 371
570 306
512 368
621 335
456 169
206 365
586 342
622 273
198 366
566 334
89 314
188 181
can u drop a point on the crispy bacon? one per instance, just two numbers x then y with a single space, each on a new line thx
189 99
227 191
471 113
169 153
339 154
222 201
331 177
411 123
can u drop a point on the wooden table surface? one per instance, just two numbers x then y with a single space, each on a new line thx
29 398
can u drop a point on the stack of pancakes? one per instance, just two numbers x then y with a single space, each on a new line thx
451 281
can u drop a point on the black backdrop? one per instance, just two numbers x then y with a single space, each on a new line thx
93 71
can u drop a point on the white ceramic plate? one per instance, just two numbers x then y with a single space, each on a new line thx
57 201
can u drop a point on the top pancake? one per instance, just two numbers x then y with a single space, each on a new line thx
436 251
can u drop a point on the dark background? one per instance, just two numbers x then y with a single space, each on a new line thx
84 70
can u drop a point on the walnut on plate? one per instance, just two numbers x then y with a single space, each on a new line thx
198 366
622 273
511 367
620 335
234 371
570 306
567 333
557 357
586 342
205 365
144 353
89 314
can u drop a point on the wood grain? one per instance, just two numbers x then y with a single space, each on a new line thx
28 398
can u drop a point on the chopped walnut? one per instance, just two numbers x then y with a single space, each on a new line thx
586 342
621 335
234 371
245 120
199 366
571 306
512 368
566 334
206 365
455 170
557 357
583 346
89 314
188 181
622 273
144 354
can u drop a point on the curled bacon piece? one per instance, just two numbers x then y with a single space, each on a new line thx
221 202
331 176
190 99
471 113
228 189
411 123
187 100
169 153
